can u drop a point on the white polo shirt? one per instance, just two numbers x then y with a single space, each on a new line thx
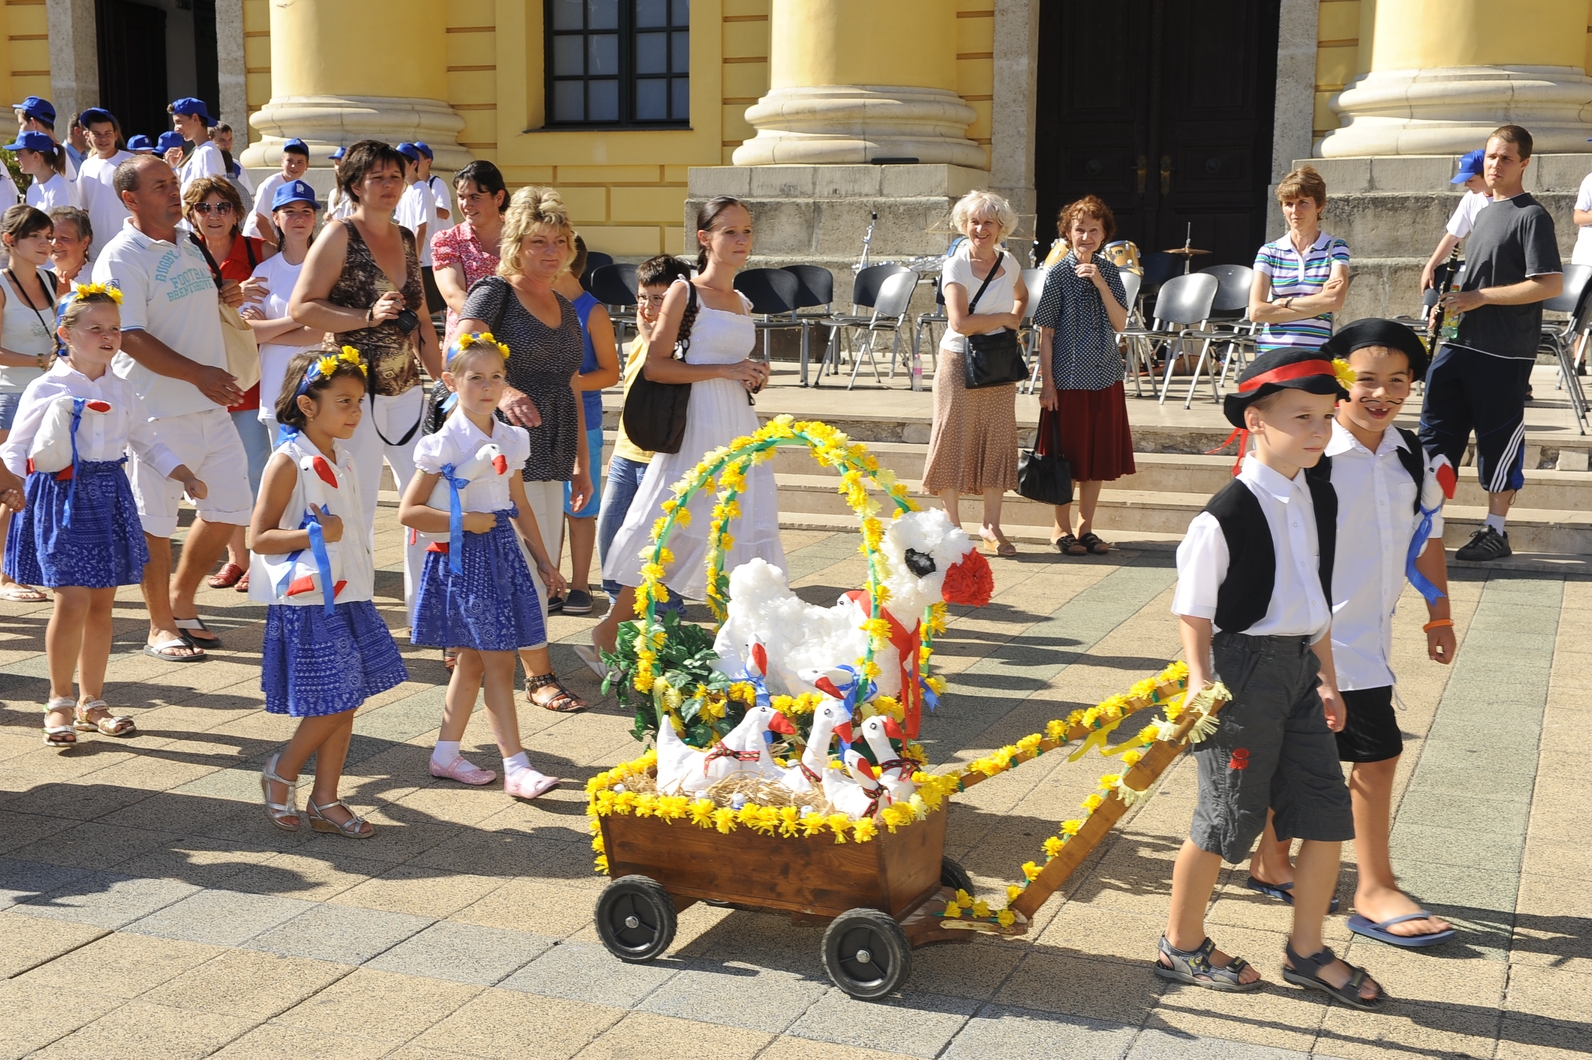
167 290
96 187
418 207
443 197
1376 520
56 191
206 161
1464 216
262 208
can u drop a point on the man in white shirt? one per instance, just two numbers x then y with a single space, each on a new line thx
96 178
1463 218
417 208
174 355
191 118
295 160
439 189
338 205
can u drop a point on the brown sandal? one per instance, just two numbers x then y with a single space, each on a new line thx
1068 545
226 577
1092 543
561 702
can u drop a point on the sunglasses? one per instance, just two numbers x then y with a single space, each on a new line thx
212 207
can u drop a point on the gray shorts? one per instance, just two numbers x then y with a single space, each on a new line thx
1272 750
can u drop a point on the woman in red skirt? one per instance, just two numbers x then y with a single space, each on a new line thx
1080 314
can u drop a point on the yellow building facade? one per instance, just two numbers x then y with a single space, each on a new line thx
970 86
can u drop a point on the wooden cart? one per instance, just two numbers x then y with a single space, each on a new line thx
879 896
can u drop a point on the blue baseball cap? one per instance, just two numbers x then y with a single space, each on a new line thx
297 146
34 107
409 151
139 144
339 153
167 141
190 105
424 148
95 114
1469 166
32 141
294 191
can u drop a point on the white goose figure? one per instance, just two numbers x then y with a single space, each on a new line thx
811 768
857 795
488 459
684 770
895 772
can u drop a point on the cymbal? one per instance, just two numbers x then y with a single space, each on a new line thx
1185 252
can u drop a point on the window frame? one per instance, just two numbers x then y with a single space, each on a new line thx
627 76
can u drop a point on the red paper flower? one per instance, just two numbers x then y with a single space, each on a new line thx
969 581
1240 759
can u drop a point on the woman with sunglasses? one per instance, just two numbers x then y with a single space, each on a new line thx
215 211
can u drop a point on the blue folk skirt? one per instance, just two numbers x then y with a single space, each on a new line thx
313 663
490 606
103 548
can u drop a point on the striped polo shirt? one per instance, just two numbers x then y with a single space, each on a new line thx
1293 274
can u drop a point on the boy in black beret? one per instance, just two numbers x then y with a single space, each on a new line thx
1254 584
1389 529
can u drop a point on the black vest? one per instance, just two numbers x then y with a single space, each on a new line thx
1245 593
1412 456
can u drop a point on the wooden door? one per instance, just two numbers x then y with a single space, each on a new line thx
1162 108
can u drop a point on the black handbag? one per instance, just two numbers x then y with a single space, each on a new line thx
992 360
654 413
1043 474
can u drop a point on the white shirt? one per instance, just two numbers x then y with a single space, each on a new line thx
1464 216
352 561
1582 254
442 216
241 175
279 276
97 191
416 208
9 195
998 297
57 191
259 220
99 437
338 205
1298 608
206 161
460 441
1376 519
168 291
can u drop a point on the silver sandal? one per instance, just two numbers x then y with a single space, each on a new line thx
60 736
1194 967
110 725
279 811
349 828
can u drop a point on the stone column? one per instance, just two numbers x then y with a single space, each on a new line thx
851 82
346 70
74 59
233 104
1437 75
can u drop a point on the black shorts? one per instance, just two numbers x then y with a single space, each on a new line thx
1470 391
1372 732
1271 750
435 303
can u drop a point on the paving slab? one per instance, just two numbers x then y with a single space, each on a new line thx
914 1024
222 918
107 899
646 1036
463 953
584 972
509 1024
1001 1030
344 934
736 995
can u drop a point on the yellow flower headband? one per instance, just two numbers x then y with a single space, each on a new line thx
83 290
322 367
482 338
1346 375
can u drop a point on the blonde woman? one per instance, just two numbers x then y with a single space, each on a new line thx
973 443
542 331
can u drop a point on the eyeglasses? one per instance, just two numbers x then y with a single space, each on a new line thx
651 299
212 207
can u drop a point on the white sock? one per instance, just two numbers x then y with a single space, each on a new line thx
1496 522
446 752
515 765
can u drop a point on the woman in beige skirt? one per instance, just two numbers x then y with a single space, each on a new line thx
973 446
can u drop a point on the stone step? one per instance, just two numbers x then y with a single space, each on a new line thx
1134 512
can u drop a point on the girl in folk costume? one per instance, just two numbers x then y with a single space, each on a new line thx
326 649
80 533
476 593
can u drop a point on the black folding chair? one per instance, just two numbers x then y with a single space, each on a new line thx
774 295
614 285
815 289
595 259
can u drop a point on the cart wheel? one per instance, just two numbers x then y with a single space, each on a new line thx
954 876
866 953
636 918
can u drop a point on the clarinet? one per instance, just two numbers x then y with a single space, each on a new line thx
1434 330
862 262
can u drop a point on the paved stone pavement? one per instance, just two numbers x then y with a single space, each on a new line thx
148 909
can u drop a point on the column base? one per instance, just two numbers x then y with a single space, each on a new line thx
855 124
329 122
1450 110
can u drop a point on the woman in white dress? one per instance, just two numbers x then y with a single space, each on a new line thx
721 375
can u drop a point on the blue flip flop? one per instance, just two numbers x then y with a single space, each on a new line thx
1280 891
1361 926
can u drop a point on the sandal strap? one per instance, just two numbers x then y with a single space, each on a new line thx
541 681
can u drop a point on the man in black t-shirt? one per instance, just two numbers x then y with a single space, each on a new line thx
1479 379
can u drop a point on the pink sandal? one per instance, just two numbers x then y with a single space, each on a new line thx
464 772
529 784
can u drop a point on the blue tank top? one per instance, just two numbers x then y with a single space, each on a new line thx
592 399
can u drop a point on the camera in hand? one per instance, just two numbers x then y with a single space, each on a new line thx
407 320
